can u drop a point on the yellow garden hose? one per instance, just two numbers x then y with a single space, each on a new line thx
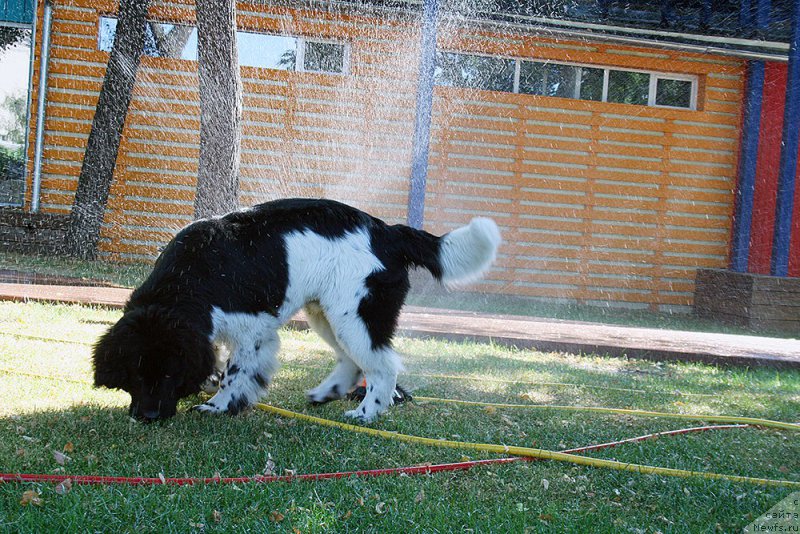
622 411
528 451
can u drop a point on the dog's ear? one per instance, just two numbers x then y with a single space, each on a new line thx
197 357
109 358
116 350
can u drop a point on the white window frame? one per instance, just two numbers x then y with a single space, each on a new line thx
655 76
301 55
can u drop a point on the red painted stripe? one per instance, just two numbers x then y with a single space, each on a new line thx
769 155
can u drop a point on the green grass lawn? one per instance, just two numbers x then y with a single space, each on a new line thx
42 414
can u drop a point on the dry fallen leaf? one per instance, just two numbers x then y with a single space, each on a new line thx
69 447
346 515
31 497
289 472
64 486
276 517
490 409
61 458
216 516
269 469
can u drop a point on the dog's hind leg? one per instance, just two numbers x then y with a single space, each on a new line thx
379 364
380 367
249 370
211 385
346 373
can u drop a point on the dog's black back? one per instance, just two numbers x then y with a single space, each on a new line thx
238 262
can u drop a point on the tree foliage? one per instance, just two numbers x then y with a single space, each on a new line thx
10 35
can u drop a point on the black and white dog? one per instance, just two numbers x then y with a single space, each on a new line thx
233 281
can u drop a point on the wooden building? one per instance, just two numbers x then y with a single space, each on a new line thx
610 160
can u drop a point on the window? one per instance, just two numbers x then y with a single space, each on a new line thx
177 41
281 52
592 81
628 87
15 60
267 51
674 93
475 72
323 57
558 79
564 80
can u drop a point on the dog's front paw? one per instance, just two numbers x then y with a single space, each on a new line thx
206 407
359 415
322 394
229 404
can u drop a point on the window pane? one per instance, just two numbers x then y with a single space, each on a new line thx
675 93
591 84
549 79
177 41
108 27
531 77
267 51
560 80
15 60
324 57
476 72
625 87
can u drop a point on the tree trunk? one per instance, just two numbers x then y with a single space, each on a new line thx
100 157
220 108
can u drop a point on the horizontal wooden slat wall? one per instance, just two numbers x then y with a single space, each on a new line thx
600 203
345 137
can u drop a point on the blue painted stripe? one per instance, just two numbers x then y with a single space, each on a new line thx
788 165
422 122
748 158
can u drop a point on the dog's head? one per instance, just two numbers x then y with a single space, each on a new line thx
156 357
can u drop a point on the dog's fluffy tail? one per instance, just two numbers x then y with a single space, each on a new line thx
458 257
468 252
